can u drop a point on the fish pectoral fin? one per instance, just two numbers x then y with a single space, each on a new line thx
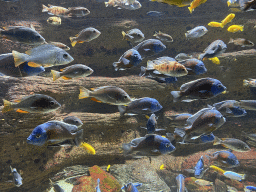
21 111
146 49
125 61
155 150
156 72
195 137
210 124
66 78
145 109
228 110
32 64
96 100
188 69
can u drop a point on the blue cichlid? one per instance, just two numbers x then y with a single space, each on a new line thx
131 187
181 183
130 58
150 47
98 186
214 50
199 168
55 133
17 179
207 138
150 145
203 88
225 158
143 105
151 124
194 66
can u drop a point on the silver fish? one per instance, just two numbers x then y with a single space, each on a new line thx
196 32
17 179
133 35
213 50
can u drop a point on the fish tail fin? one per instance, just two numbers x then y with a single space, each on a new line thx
143 71
106 4
231 40
245 82
122 109
242 28
19 58
116 65
124 34
190 9
127 148
150 65
7 106
176 95
186 35
243 176
45 8
180 132
79 137
55 74
73 41
216 141
155 34
84 93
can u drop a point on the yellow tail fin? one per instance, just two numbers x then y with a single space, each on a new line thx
84 93
190 9
123 33
73 41
7 106
19 58
245 82
55 75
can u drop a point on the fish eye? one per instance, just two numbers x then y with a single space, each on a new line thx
51 102
125 97
37 37
167 145
65 56
76 122
219 86
50 20
94 31
38 136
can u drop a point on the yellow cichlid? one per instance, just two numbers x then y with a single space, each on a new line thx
162 167
228 19
221 171
215 60
215 24
235 28
194 4
88 148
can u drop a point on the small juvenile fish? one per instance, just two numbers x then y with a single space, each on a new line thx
88 148
77 12
86 35
181 183
142 105
235 28
215 24
155 13
250 82
194 4
54 20
233 144
196 32
130 58
163 36
183 56
73 71
149 145
73 121
162 167
55 10
125 4
215 60
56 187
199 168
235 176
203 182
37 103
203 122
44 55
98 186
169 68
133 35
251 136
17 179
131 187
225 158
203 88
55 133
108 168
150 47
22 34
228 19
216 48
242 42
221 171
106 94
194 66
60 45
230 108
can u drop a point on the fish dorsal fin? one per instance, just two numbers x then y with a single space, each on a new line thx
187 85
191 119
21 111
